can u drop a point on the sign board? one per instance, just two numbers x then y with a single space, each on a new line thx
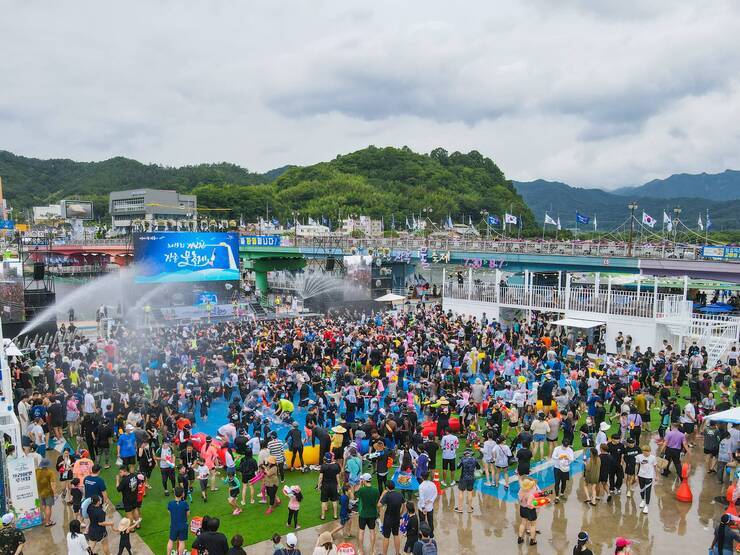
175 256
259 240
7 224
24 495
76 209
720 253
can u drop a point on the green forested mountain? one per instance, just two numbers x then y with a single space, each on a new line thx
610 209
712 186
380 182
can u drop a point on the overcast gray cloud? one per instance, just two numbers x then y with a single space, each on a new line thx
591 93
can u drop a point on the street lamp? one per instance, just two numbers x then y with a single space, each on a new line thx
676 219
632 206
485 214
295 214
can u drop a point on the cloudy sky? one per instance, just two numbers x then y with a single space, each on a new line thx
603 93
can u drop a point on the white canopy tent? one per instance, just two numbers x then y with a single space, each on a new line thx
577 323
731 416
390 298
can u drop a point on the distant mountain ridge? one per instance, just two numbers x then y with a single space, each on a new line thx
610 208
712 186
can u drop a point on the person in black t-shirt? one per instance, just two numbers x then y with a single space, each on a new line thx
393 502
616 472
128 484
524 458
430 448
630 452
329 484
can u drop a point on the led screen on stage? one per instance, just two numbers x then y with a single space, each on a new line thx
173 256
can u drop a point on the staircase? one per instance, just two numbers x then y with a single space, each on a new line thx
717 334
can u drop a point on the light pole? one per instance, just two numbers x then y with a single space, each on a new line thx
676 219
295 214
485 213
632 206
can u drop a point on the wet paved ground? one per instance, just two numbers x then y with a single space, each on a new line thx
670 526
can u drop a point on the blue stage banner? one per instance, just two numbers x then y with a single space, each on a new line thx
259 240
7 224
167 257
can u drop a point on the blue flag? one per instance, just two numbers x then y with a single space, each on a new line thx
581 219
709 222
493 220
275 222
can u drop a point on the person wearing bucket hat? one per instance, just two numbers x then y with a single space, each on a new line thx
527 510
124 529
11 539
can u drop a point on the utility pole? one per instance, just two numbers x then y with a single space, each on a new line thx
632 206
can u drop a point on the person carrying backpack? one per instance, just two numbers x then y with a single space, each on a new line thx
426 545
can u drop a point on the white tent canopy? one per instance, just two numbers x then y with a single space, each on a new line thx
576 323
390 298
731 416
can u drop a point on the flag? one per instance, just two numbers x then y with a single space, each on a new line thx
311 221
275 222
701 225
648 220
667 222
709 222
414 224
509 219
581 219
493 221
595 225
449 221
559 228
241 220
549 220
407 223
393 222
470 221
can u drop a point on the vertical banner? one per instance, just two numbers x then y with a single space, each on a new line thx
23 493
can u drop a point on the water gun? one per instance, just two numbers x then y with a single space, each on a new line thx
257 477
541 499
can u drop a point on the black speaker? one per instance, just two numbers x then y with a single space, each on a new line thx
39 269
329 264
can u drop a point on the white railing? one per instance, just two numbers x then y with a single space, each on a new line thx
584 299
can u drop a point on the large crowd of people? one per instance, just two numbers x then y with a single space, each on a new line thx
388 401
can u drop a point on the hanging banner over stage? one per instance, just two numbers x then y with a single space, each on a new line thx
23 493
167 257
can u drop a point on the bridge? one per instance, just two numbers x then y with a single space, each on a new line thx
514 256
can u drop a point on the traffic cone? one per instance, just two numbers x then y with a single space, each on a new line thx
683 493
436 482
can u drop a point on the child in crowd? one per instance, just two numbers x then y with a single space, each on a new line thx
124 541
201 474
234 485
294 504
76 494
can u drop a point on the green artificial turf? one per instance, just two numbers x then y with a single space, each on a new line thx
252 523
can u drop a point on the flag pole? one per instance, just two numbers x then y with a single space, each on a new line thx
543 227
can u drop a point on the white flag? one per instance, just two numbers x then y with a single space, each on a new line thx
559 223
549 220
509 219
667 222
648 220
701 225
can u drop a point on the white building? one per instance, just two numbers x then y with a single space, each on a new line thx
311 230
367 226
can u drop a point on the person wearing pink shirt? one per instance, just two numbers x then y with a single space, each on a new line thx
209 454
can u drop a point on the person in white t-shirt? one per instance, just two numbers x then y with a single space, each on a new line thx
501 456
449 444
563 456
646 476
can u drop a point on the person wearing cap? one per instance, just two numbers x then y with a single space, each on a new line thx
328 484
45 479
126 447
367 497
271 480
291 546
622 546
581 547
12 540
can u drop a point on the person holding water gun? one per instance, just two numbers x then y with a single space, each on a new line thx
530 499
